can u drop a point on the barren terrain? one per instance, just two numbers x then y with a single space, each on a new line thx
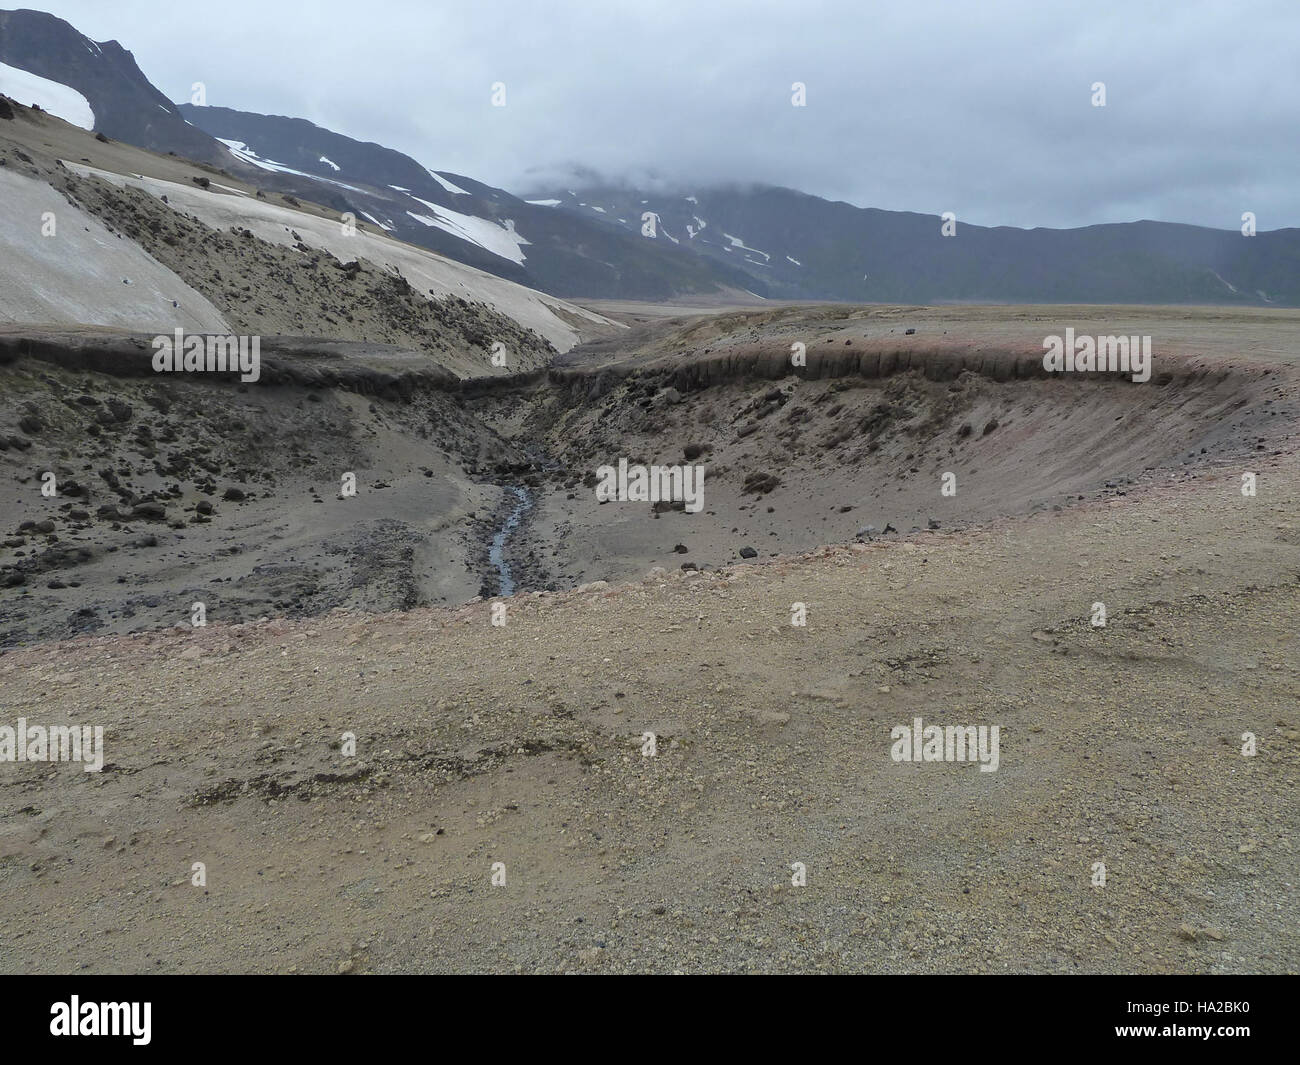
524 743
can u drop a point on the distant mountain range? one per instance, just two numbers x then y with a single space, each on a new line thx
802 247
609 241
558 252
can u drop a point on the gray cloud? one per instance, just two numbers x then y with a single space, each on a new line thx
979 108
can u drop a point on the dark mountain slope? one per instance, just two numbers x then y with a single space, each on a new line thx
127 107
801 246
559 253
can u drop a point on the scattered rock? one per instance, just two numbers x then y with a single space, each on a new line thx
150 510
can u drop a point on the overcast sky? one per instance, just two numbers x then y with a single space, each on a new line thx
982 107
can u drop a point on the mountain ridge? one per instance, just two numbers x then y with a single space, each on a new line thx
604 240
806 247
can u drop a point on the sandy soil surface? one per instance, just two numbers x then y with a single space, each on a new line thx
769 829
837 451
658 330
522 744
88 273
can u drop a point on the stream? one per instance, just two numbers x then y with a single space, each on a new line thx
496 553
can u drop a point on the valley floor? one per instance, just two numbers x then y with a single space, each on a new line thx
1124 829
522 744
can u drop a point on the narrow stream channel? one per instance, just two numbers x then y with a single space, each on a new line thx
496 553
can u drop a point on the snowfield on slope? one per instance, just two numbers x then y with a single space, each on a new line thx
454 189
482 232
52 96
736 242
426 271
82 273
242 151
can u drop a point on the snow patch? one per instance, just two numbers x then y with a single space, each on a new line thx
240 150
500 240
1231 287
455 190
52 96
736 242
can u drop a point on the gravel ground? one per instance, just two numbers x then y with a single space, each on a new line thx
522 744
